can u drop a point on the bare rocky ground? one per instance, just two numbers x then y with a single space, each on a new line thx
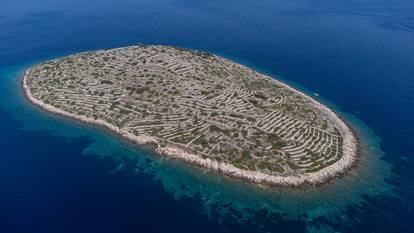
207 106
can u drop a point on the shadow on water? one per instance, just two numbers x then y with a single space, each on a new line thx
228 203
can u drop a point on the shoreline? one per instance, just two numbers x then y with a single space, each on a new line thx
349 158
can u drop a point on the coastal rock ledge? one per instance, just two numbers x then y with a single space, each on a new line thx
199 108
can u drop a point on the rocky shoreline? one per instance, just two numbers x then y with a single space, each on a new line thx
348 159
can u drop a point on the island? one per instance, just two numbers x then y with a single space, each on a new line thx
200 108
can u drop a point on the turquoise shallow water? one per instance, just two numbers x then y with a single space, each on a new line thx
58 175
221 197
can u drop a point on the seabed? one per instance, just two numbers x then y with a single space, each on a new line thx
221 197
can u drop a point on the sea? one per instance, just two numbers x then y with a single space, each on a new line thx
356 56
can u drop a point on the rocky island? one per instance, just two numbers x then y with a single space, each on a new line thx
200 108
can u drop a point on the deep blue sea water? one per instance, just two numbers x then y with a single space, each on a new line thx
58 175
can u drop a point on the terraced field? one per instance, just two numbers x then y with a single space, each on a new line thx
201 103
